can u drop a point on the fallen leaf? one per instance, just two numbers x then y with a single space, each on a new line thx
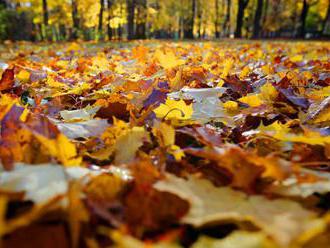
283 220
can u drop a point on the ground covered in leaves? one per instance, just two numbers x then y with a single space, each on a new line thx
163 144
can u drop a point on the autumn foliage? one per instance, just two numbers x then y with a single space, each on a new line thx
143 144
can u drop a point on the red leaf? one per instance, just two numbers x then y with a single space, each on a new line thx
7 79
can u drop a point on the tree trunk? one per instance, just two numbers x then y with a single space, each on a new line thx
189 22
141 19
200 18
326 21
100 28
303 16
45 18
109 29
120 27
75 19
130 18
226 23
216 22
239 19
257 18
264 17
45 12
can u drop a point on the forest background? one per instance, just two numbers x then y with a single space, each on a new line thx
61 20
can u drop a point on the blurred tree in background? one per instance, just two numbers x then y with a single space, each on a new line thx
56 20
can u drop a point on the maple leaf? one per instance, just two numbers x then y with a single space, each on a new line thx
168 60
173 109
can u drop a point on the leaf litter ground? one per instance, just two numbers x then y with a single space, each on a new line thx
164 144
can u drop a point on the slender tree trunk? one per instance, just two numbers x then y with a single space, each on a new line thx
109 29
226 23
45 12
257 19
75 19
141 19
239 19
130 18
45 18
189 22
216 22
120 27
200 18
326 21
303 16
100 27
264 17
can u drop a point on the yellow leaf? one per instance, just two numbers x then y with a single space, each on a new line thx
176 152
246 70
282 132
296 58
62 63
165 133
77 90
104 187
52 83
80 89
177 83
61 148
74 47
230 106
166 136
127 145
173 109
320 94
168 60
268 92
100 63
24 115
6 103
253 100
23 75
118 129
267 69
227 67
